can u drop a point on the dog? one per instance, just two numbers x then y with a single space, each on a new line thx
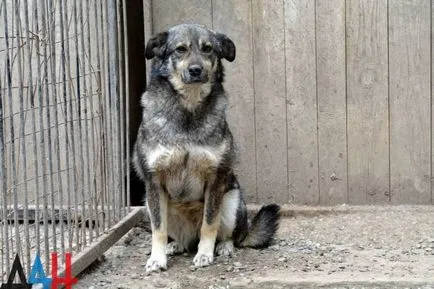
185 152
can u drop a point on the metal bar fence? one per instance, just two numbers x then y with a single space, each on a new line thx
63 126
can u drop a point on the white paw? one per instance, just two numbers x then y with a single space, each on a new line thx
156 264
203 259
225 248
174 248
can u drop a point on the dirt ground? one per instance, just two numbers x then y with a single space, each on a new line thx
342 247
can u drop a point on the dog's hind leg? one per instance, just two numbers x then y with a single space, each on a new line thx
174 248
184 221
229 208
157 203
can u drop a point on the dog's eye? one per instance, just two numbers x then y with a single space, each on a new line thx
181 49
207 48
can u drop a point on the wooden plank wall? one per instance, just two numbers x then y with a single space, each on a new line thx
330 99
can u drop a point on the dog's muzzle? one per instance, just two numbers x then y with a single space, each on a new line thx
194 74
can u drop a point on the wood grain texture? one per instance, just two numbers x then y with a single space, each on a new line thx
172 12
432 104
301 102
330 102
270 100
410 131
367 102
331 86
234 19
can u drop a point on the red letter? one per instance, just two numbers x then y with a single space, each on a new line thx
68 279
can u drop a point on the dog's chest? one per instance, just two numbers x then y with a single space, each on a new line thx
184 170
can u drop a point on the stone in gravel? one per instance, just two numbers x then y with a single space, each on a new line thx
159 284
359 247
274 247
230 269
338 259
193 268
238 265
282 243
128 240
223 277
283 259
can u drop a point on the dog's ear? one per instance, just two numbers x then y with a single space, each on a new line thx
226 47
156 44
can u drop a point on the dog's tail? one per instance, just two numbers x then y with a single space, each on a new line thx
263 227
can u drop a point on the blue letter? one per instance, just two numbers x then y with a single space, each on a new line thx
37 275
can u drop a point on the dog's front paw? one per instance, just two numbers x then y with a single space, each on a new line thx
203 259
156 264
225 248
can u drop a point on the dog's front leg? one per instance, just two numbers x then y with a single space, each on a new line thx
210 226
157 203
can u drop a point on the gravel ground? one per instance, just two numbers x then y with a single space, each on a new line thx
342 247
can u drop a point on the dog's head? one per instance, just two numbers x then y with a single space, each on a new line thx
190 54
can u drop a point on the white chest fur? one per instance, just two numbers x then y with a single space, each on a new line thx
184 169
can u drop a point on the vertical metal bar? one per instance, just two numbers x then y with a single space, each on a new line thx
86 116
92 185
3 186
84 141
26 258
80 128
36 165
41 129
12 184
98 92
108 127
65 112
12 134
114 94
68 109
101 96
52 41
127 107
120 111
45 32
33 120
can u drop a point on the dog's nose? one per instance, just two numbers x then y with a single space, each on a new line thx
195 70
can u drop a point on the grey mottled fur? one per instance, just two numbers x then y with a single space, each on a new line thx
184 132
